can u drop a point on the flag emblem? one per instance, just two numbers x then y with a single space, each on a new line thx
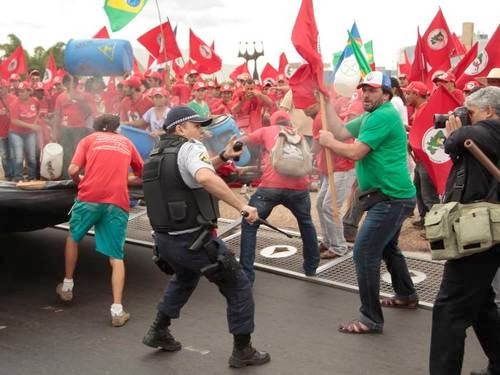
108 50
12 65
205 51
437 39
478 65
47 76
433 145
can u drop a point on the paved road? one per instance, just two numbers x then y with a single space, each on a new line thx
296 322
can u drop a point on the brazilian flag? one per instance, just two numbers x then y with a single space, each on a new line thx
121 12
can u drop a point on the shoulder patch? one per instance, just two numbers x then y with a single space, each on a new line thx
204 157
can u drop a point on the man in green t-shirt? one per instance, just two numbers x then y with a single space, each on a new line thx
380 155
198 104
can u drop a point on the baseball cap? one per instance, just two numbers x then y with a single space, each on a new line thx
14 77
133 82
38 86
155 75
445 77
417 87
268 82
226 88
198 86
280 118
24 86
34 72
158 91
376 79
471 85
57 79
244 76
181 113
403 75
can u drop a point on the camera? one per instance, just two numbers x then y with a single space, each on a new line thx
461 112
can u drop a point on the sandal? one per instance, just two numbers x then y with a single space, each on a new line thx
356 327
399 304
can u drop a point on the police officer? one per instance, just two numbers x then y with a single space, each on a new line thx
181 188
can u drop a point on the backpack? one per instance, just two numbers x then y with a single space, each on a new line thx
290 154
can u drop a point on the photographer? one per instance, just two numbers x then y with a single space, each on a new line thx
466 296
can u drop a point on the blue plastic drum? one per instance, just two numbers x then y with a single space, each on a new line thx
141 139
98 57
222 129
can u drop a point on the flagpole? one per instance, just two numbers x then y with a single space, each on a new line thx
167 68
329 163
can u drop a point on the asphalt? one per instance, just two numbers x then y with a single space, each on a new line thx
295 321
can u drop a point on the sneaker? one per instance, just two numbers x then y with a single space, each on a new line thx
65 295
120 320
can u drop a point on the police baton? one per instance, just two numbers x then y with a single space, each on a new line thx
267 224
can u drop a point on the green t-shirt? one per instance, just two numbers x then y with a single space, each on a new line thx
385 166
201 109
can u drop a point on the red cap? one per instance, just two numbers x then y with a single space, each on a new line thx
38 86
211 84
416 87
226 88
199 85
279 117
132 82
445 77
158 91
471 85
14 77
24 86
155 75
192 71
244 76
281 77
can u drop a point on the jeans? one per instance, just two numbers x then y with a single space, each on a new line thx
465 299
299 203
496 288
187 265
426 192
19 146
377 239
333 233
6 160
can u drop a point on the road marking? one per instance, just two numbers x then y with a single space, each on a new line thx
193 349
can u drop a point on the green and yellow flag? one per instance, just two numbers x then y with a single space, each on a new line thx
364 66
121 12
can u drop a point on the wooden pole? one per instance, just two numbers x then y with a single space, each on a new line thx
329 162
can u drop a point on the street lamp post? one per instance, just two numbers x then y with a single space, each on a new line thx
252 54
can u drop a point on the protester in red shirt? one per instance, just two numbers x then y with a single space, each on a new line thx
44 116
102 202
222 106
275 189
23 133
135 103
6 101
73 115
448 81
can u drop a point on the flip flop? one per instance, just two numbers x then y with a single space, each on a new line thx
356 327
395 303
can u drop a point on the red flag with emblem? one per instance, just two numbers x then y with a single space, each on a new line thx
269 72
162 47
283 63
462 65
418 70
458 47
15 63
427 142
207 61
305 41
102 34
240 69
485 61
50 69
438 42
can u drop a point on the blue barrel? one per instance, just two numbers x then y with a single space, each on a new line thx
141 139
98 57
222 129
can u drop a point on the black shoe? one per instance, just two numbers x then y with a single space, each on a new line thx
481 372
248 356
161 338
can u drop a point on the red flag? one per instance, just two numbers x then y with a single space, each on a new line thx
303 83
162 47
437 42
15 63
240 69
151 60
50 69
427 142
135 67
305 40
102 34
405 67
418 71
207 61
458 47
283 63
485 61
466 60
269 72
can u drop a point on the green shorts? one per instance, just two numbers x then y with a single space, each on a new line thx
110 223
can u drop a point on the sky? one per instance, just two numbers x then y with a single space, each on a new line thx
391 24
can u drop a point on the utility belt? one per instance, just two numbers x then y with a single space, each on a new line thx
455 230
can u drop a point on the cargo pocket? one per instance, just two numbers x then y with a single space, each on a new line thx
473 230
439 231
495 223
177 211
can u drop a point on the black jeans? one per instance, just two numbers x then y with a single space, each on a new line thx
466 299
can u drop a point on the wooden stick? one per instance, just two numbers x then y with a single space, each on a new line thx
329 163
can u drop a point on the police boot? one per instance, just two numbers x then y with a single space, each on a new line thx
244 354
159 336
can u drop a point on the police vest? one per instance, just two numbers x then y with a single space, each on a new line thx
171 204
